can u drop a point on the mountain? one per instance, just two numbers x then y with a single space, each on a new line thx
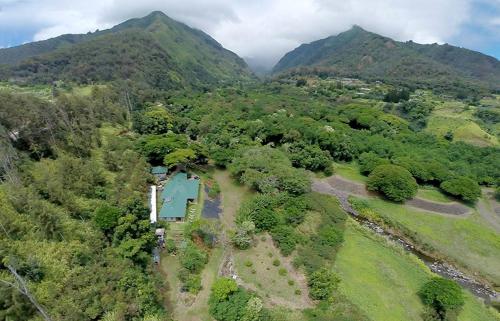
155 50
363 54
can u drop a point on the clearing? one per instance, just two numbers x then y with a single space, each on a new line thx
456 117
264 270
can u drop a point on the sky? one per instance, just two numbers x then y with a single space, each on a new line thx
264 30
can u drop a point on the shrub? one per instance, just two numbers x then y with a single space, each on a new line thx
222 288
462 187
248 263
298 292
295 210
443 296
291 282
232 308
322 283
243 237
190 282
193 259
276 262
170 246
282 272
395 182
285 238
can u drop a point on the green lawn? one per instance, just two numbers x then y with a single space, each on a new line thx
232 196
349 171
468 241
383 280
433 194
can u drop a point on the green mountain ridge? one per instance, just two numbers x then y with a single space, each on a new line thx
363 54
155 50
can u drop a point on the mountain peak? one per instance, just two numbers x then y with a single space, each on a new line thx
364 54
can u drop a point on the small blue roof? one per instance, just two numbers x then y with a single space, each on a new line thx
159 170
178 190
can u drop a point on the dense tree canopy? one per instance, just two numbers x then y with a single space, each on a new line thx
462 187
444 296
395 182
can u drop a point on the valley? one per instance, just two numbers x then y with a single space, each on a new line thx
357 181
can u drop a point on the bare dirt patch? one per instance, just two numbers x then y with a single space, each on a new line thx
452 208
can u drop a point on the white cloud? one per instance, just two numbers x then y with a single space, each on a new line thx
261 29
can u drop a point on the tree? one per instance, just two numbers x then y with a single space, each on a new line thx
310 157
322 283
156 120
155 147
462 187
368 162
443 296
106 217
268 170
181 157
253 310
265 219
222 288
418 169
395 182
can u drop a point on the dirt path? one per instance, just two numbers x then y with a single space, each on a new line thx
489 208
343 188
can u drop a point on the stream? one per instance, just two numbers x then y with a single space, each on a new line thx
441 268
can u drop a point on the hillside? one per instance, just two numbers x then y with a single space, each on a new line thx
154 50
359 53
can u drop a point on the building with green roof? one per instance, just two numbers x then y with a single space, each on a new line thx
159 172
178 191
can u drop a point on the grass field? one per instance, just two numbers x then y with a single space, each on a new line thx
383 280
232 196
433 194
349 171
458 118
467 241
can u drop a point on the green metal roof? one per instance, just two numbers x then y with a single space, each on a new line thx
158 170
178 190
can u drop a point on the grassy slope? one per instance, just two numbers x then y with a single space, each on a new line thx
349 171
458 118
383 281
468 241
